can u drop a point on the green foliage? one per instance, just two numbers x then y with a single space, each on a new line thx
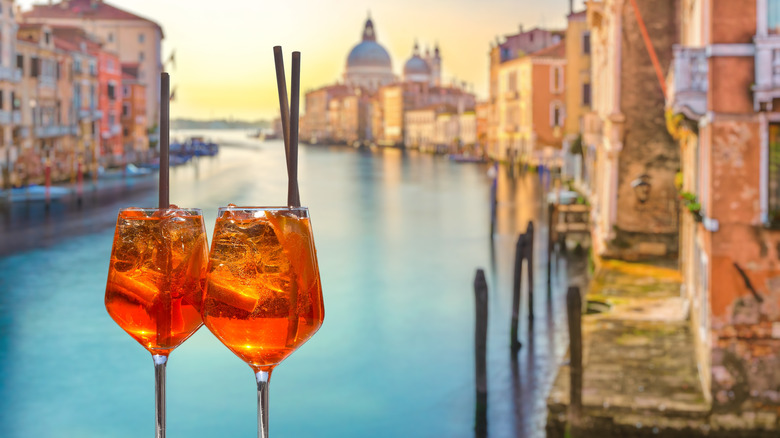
576 145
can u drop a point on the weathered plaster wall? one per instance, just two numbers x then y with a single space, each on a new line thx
745 322
648 149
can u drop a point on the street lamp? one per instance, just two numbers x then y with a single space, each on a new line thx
642 187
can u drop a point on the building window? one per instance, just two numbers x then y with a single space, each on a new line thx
774 173
111 91
47 37
141 56
141 38
125 91
556 81
34 66
586 94
15 102
773 16
586 43
556 114
2 100
110 37
125 109
20 62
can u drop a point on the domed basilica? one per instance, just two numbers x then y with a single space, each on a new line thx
369 66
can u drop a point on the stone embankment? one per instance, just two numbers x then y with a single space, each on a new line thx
640 375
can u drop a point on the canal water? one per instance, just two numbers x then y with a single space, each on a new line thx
399 237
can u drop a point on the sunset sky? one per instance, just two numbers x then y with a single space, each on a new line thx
224 59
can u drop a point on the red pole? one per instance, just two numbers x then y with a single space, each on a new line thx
650 49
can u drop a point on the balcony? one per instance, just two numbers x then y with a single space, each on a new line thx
10 117
687 93
767 85
53 131
511 95
93 114
11 74
47 81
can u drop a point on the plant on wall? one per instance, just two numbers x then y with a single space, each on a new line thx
692 204
675 126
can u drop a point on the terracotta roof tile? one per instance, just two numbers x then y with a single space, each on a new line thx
81 9
554 51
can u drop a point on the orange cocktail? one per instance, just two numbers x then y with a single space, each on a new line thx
157 275
263 299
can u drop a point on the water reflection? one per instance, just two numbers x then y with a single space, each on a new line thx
399 235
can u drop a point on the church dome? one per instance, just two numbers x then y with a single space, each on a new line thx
416 65
369 54
368 64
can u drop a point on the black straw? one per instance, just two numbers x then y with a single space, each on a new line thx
284 109
293 196
165 109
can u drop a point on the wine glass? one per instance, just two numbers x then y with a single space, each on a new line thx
155 283
263 299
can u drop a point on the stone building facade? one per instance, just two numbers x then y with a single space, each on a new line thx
723 110
634 199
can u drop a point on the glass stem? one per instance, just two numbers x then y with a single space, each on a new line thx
263 377
159 394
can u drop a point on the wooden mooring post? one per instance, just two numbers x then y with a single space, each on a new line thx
480 352
529 260
550 245
514 341
574 313
524 250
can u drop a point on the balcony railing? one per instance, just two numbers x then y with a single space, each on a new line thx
767 85
10 117
688 90
47 81
54 131
11 74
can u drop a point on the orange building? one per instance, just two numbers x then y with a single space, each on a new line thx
531 106
503 137
133 117
722 108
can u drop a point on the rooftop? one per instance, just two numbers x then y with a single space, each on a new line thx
84 9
